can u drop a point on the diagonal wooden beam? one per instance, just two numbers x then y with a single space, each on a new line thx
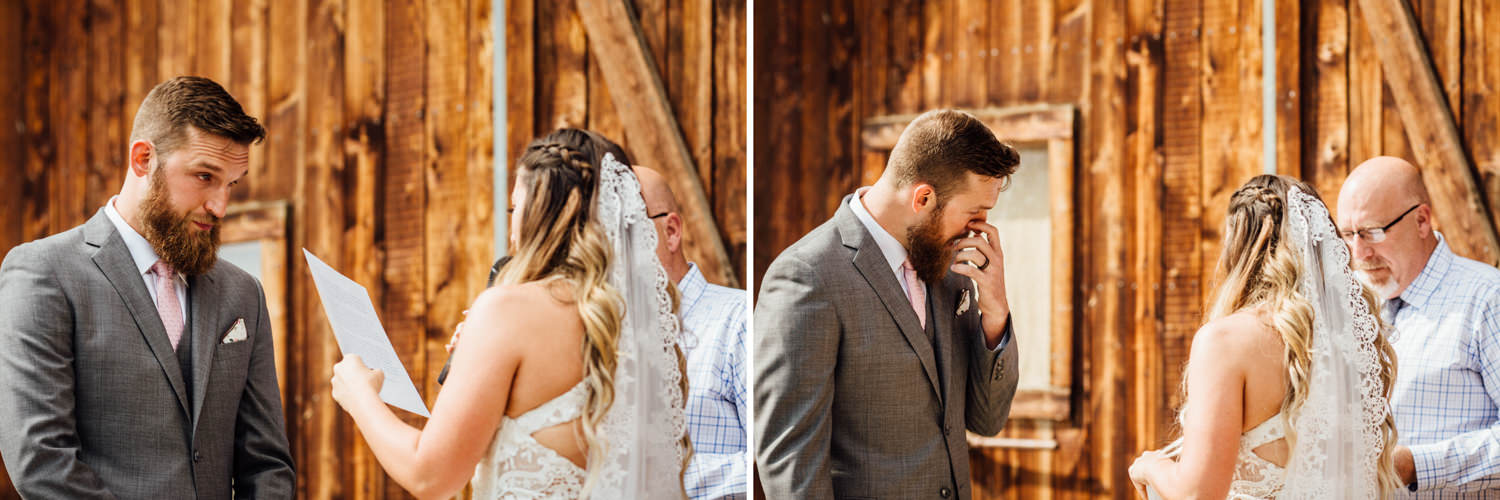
635 84
1429 125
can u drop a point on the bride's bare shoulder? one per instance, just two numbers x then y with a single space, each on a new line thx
523 305
1232 336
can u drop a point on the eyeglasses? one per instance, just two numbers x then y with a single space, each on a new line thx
657 216
1375 234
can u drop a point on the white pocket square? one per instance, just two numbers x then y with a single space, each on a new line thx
236 332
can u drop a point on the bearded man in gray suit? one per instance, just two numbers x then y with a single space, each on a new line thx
872 351
133 362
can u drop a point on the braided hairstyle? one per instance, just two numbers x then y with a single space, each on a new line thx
1259 269
558 239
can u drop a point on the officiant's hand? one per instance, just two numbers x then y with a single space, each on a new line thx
355 384
989 278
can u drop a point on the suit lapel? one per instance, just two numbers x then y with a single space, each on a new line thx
114 260
941 295
872 265
203 300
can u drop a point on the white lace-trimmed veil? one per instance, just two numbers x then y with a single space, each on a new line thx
642 430
1338 436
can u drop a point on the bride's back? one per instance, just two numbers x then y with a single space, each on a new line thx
551 361
1261 355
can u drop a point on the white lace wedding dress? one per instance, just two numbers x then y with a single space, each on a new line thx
518 467
1255 478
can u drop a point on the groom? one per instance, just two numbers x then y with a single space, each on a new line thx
871 357
133 362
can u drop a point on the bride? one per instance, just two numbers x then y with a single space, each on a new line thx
1286 384
569 382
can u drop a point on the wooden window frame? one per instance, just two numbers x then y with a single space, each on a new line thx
266 222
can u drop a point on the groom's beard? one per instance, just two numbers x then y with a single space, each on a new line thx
928 250
188 250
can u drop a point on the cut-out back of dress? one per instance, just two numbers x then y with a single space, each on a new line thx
519 467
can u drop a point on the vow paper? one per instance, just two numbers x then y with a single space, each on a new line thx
358 331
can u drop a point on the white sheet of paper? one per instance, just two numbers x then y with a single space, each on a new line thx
358 331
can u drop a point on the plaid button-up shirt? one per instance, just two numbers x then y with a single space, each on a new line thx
718 413
1446 399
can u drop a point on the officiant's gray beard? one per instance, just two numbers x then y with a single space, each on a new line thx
928 250
1385 288
187 250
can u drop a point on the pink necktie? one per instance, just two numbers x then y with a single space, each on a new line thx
915 292
167 305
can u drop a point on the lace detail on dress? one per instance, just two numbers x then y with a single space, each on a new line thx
518 467
1255 478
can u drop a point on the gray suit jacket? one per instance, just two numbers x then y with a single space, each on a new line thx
93 401
852 399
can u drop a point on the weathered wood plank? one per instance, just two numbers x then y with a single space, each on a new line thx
776 74
362 137
286 113
1481 96
935 44
970 25
729 134
247 78
1459 205
1325 112
1103 189
1184 268
1144 172
520 80
213 40
907 55
690 76
633 77
402 218
561 53
479 250
176 29
13 136
106 86
1367 124
322 204
1288 87
68 104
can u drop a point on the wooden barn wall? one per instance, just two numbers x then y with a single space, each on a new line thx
380 125
1169 100
699 48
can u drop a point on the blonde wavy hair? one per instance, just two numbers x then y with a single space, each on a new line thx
1258 270
559 240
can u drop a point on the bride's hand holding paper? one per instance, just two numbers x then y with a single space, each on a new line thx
355 384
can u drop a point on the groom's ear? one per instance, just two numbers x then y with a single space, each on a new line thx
922 196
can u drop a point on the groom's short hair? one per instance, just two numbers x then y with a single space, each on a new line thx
939 146
174 105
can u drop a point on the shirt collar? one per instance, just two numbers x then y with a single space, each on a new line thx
692 284
140 249
1425 285
894 252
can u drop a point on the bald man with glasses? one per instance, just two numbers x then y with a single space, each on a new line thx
1446 313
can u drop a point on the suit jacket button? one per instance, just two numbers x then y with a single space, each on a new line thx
945 492
947 429
197 457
